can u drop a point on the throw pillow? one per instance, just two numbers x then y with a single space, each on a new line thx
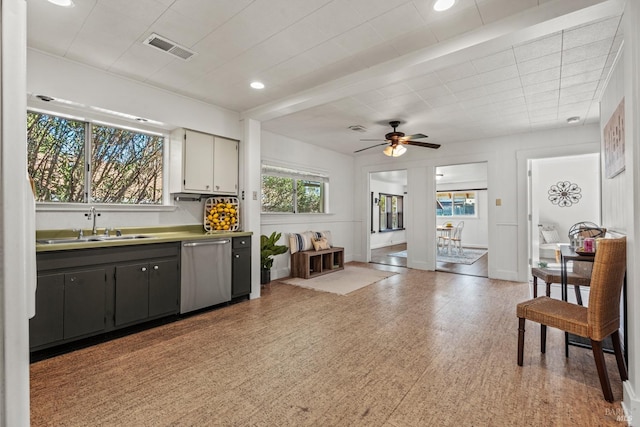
325 234
300 241
319 244
551 236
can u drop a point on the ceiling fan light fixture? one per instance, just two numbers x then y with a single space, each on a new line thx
394 151
442 5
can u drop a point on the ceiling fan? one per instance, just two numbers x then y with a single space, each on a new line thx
397 140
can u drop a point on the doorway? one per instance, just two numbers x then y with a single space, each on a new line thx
388 238
462 203
549 213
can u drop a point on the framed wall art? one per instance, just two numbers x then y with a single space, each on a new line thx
613 136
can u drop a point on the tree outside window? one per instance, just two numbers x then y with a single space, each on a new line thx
291 191
124 166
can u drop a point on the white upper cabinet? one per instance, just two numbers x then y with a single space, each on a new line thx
203 164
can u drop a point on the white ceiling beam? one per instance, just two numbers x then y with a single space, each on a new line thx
545 19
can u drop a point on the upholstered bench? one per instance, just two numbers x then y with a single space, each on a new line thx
551 276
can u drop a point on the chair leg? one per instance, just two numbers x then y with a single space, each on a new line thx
598 355
543 338
566 344
578 294
617 348
535 287
549 289
521 321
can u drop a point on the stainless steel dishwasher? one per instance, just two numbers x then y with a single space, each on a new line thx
205 274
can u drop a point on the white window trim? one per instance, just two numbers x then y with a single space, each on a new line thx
288 170
167 205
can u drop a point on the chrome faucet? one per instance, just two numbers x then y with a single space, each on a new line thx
92 216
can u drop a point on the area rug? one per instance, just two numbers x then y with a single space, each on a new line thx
401 254
468 256
342 282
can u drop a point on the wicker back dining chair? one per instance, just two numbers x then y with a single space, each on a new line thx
597 321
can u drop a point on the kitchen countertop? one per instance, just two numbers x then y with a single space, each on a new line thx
155 235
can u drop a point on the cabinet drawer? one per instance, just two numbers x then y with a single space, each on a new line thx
241 242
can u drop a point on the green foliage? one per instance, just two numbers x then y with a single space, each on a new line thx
269 248
277 194
282 194
125 166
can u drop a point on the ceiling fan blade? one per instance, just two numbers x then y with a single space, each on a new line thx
422 144
377 139
416 136
373 146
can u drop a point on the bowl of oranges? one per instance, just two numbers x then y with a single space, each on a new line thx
221 214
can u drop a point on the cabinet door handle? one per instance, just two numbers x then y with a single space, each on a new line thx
242 242
237 256
144 269
155 267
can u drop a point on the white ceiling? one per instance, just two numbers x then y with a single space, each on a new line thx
484 68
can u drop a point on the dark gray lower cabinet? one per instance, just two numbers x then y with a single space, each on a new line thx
164 288
47 326
241 267
68 305
92 291
84 302
132 293
146 290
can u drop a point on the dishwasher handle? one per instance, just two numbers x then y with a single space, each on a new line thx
206 243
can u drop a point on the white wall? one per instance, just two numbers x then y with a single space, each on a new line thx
17 247
280 150
387 238
61 78
620 195
582 170
507 223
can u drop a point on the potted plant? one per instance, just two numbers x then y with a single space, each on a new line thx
268 249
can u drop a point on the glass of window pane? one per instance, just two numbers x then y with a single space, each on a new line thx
309 196
126 166
55 155
277 194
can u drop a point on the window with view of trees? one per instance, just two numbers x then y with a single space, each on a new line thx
291 191
73 161
391 212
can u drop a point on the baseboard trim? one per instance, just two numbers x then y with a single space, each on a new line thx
630 404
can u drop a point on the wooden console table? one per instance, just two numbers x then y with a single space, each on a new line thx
308 264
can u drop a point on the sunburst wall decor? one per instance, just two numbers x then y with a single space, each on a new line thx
564 194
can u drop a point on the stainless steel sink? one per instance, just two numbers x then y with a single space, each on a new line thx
91 239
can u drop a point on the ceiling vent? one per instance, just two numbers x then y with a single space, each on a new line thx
168 46
358 128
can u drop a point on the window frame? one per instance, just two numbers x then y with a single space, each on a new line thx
297 175
386 199
452 197
165 203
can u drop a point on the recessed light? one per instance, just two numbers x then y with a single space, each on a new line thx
574 119
442 5
257 85
63 3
